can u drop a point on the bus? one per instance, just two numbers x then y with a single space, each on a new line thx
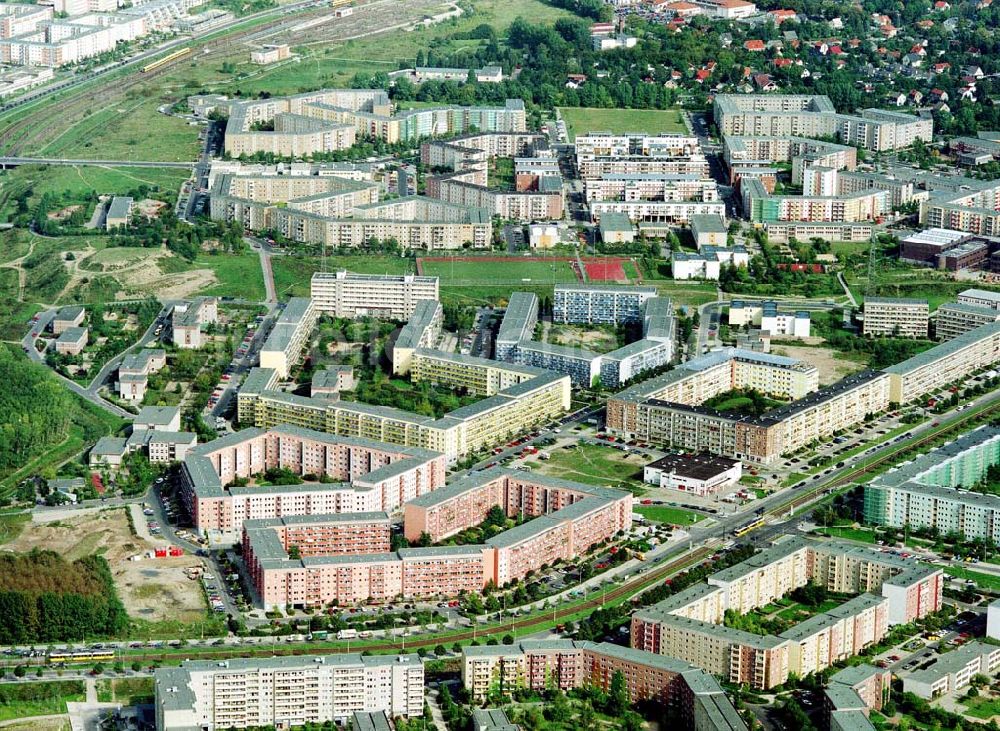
753 525
81 656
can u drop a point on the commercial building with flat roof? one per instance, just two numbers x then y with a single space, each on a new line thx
954 670
287 691
187 319
67 317
72 341
900 317
119 211
980 298
698 474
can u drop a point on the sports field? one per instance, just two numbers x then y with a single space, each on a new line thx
496 270
621 271
582 120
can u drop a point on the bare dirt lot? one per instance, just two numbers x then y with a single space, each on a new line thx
831 364
152 589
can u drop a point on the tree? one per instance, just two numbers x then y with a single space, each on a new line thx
618 701
20 671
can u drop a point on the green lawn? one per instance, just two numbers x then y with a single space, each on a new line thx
239 275
293 273
982 707
692 294
582 120
122 133
127 691
664 514
11 525
983 581
82 179
23 700
854 534
595 465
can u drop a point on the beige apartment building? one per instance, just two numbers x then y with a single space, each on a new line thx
956 318
900 317
689 625
932 369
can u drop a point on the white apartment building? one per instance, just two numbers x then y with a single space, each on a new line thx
289 335
286 691
389 296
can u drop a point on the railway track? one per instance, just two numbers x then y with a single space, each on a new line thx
13 141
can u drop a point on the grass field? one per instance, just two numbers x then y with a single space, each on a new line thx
982 707
22 700
11 525
511 271
121 133
81 179
665 514
582 120
983 581
239 275
292 273
853 534
127 691
595 465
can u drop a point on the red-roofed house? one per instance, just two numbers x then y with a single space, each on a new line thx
942 5
754 45
940 68
780 16
782 63
764 82
702 75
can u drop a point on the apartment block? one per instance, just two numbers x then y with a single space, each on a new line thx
518 324
289 335
783 231
975 211
339 207
602 153
595 304
187 319
901 317
422 330
745 154
957 318
694 698
784 115
286 691
256 382
370 477
689 625
926 492
582 366
853 693
928 371
760 206
482 425
388 296
344 558
480 376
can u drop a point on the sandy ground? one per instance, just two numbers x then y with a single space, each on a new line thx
152 589
142 275
63 213
831 364
39 723
598 340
